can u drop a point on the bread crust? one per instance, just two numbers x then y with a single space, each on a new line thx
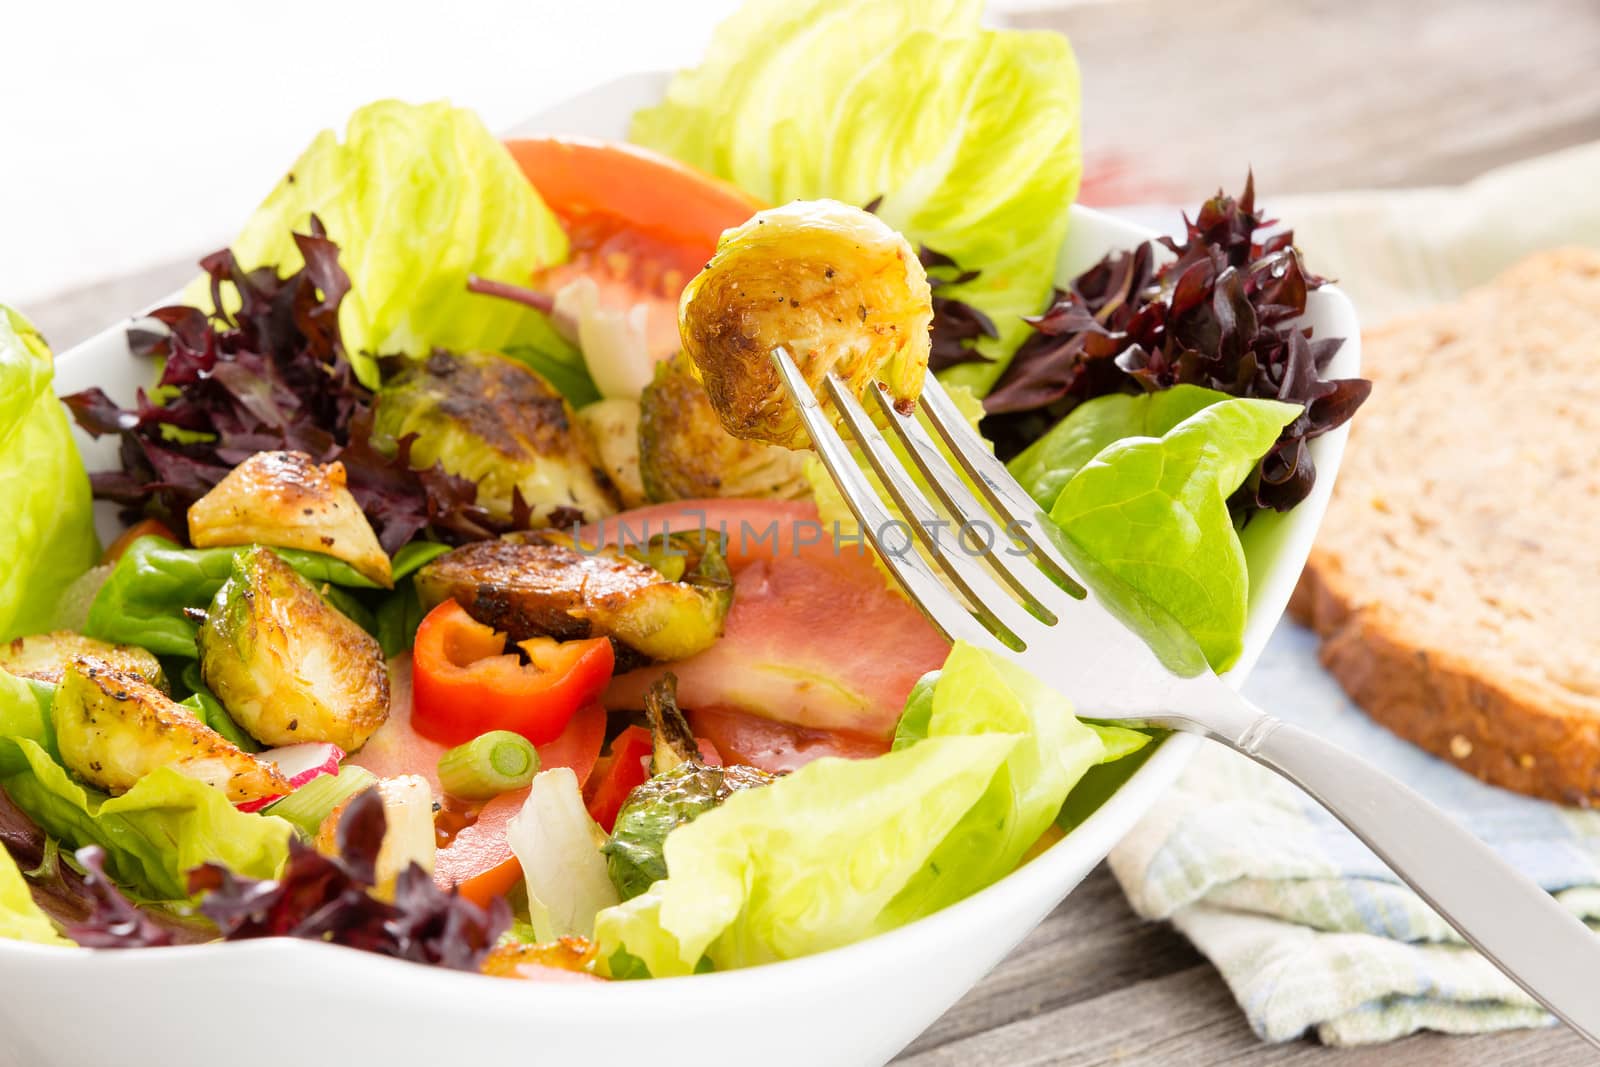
1409 583
1441 701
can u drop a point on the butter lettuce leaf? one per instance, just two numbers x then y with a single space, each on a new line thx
806 864
981 694
970 137
1152 514
47 537
1046 466
763 48
153 834
417 197
842 849
21 918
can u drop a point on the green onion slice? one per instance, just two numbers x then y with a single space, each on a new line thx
494 763
313 802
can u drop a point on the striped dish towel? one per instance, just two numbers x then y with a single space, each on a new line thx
1307 927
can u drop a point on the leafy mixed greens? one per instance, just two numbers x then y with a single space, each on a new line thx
1221 313
148 596
1149 407
400 165
21 918
840 850
273 374
328 897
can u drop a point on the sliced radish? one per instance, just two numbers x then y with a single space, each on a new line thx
300 764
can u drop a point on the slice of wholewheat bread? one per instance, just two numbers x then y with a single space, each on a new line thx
1456 582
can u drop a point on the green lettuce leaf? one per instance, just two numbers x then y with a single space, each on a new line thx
417 197
47 536
21 918
399 612
143 601
970 136
980 694
843 849
1046 466
154 834
805 864
209 710
413 557
763 46
559 362
25 710
1117 742
1152 513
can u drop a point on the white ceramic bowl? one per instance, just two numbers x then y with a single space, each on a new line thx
271 1002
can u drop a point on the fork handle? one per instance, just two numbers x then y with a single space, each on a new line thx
1518 926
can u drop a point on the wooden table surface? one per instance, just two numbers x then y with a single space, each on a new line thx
1316 96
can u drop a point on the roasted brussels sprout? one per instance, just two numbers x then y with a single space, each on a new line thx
672 741
285 663
832 284
545 587
685 454
287 500
46 657
613 426
680 789
496 422
408 830
113 727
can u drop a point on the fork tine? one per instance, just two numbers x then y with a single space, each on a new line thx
964 507
988 598
996 483
947 613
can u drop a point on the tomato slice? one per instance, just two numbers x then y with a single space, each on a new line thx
478 860
776 746
464 684
640 225
751 529
814 639
601 188
578 747
397 748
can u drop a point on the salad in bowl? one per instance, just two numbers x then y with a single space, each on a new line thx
470 595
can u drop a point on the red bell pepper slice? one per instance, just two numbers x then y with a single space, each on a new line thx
626 768
465 684
616 776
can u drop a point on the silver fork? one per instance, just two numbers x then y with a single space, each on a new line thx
1072 635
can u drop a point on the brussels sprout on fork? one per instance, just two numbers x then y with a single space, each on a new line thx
831 284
